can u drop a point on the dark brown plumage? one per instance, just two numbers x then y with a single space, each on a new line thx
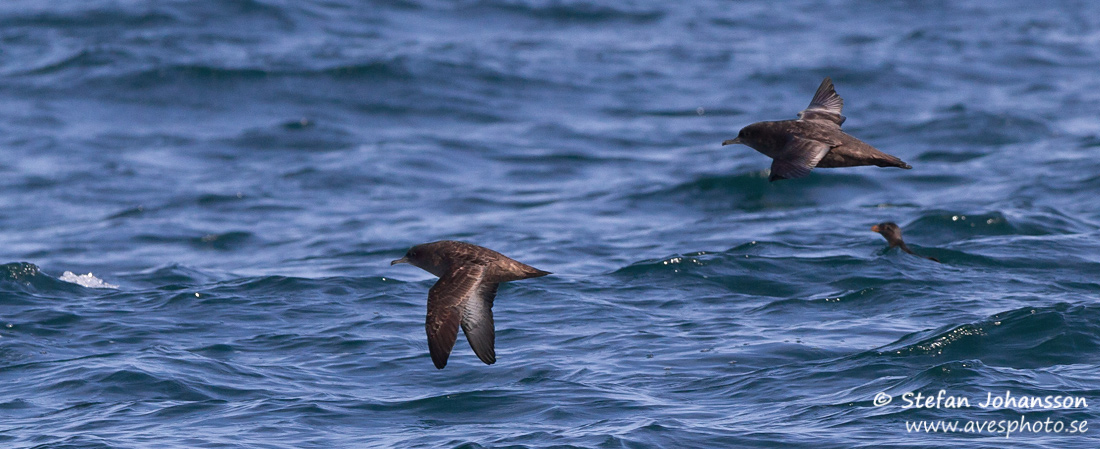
813 140
892 233
468 279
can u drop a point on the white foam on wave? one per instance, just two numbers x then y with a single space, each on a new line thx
85 280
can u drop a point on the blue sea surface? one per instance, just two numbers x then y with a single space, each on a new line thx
237 175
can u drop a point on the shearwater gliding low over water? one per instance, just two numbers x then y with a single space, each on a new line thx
892 233
468 278
814 140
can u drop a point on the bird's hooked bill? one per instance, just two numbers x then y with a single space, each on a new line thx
731 141
874 228
401 260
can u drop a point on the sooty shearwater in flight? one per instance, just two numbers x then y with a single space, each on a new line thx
463 295
814 140
892 233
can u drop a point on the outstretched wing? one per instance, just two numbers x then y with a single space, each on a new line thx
477 322
447 302
798 157
825 106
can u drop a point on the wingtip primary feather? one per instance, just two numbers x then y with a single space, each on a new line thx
826 105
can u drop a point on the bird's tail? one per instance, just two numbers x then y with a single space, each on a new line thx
513 270
532 272
889 160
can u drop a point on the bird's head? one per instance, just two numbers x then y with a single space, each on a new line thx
890 231
749 135
417 256
426 257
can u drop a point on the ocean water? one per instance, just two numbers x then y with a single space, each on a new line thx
236 176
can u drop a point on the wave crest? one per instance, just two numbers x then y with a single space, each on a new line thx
1029 337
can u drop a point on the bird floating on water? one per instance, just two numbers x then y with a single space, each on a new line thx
892 233
813 140
463 295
